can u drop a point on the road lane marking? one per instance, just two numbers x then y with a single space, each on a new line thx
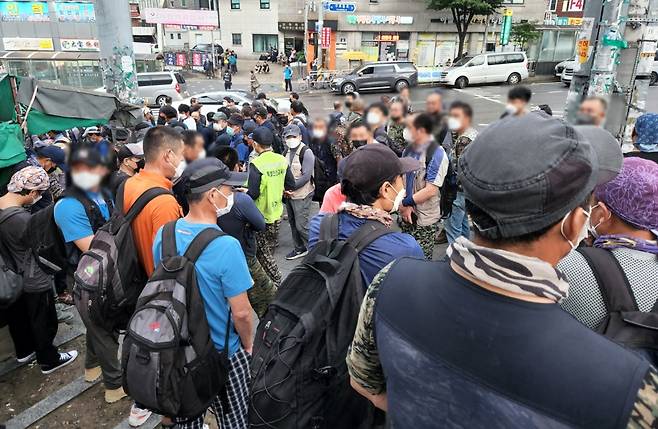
483 97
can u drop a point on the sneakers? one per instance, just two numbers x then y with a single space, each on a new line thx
92 374
114 395
27 358
138 416
296 254
64 359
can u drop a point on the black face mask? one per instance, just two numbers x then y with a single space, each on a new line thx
359 143
395 119
584 119
140 164
161 120
348 104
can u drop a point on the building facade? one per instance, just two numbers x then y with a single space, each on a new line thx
562 20
249 27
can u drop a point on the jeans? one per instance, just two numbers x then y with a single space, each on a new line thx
298 214
457 224
33 325
288 85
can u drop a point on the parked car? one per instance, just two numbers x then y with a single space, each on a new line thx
559 67
207 47
567 72
654 71
155 87
389 75
211 101
510 67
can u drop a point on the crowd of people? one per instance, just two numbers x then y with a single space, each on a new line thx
551 239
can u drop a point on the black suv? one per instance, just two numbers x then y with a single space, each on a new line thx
391 75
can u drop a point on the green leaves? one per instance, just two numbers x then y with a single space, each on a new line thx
524 32
466 7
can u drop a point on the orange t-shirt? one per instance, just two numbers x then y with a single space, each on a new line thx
159 211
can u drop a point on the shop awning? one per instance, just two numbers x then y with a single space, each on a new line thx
355 56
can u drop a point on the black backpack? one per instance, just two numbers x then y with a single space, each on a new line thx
11 280
320 178
448 192
625 323
170 364
109 275
298 370
46 239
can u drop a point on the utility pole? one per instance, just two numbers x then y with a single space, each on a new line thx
615 51
117 59
319 34
306 6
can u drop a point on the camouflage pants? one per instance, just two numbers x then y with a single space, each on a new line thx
424 235
265 244
262 293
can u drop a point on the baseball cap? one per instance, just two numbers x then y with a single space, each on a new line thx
527 173
236 119
203 176
91 130
131 149
262 136
261 111
28 178
220 116
607 149
372 164
249 126
639 207
55 154
291 131
88 156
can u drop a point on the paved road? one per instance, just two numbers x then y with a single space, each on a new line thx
488 101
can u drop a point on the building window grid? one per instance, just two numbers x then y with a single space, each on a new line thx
552 5
264 4
235 4
236 39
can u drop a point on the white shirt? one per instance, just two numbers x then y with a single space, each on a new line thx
190 123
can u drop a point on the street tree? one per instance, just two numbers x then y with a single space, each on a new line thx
463 12
522 33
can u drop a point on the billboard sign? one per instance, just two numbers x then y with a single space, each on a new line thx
207 18
75 12
79 45
22 11
332 6
28 44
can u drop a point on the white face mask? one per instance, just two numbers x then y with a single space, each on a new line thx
293 142
202 154
510 108
454 124
592 228
86 180
229 205
216 127
319 134
179 169
398 199
406 135
373 118
582 234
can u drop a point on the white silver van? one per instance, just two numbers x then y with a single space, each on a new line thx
155 87
510 67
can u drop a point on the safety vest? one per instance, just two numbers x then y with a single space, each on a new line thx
272 167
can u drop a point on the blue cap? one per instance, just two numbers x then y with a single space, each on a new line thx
292 131
53 153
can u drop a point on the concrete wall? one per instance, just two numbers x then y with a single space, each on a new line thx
250 19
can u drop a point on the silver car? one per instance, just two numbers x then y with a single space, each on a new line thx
155 87
390 75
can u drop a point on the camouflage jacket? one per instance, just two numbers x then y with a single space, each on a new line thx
395 133
365 367
57 181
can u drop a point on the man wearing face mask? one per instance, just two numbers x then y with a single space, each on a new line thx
32 319
420 212
358 135
298 199
434 108
459 122
53 160
518 99
395 127
349 101
219 125
592 111
372 182
193 146
624 226
321 145
502 347
377 118
131 160
223 280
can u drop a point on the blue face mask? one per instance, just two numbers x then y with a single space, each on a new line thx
230 131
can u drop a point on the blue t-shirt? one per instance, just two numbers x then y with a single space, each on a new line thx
72 220
222 273
436 169
379 253
287 73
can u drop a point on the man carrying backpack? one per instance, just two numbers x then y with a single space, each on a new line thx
32 318
619 272
223 280
299 198
84 208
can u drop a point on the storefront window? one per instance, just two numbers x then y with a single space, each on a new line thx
67 71
431 51
44 70
19 67
370 46
547 46
566 43
264 42
90 74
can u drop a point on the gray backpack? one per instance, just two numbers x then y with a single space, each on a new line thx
109 277
170 364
